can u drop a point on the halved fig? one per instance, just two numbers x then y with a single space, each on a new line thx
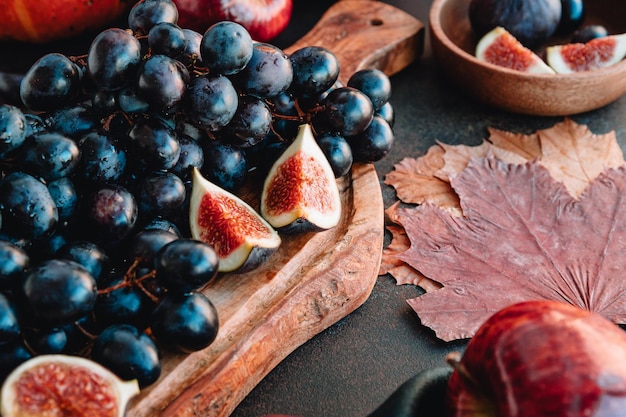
500 48
300 192
242 239
64 385
595 54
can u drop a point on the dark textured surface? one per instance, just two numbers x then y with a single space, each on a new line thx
349 369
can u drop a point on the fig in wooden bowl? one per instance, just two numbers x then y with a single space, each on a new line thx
454 42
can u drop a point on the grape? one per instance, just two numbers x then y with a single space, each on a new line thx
348 111
50 155
374 143
88 254
211 101
13 127
191 54
162 82
160 193
589 32
13 263
102 160
185 322
127 352
9 326
191 155
72 121
28 211
154 143
166 38
148 242
145 14
65 198
337 151
129 101
250 124
387 113
59 291
113 57
226 166
315 70
185 265
11 355
46 341
52 81
226 48
112 212
126 304
374 84
268 73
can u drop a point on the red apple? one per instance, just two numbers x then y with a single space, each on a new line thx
264 19
541 359
40 21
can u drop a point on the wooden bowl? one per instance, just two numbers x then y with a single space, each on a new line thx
453 43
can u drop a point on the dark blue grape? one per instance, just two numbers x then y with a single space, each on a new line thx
154 143
28 211
191 155
162 82
104 103
315 70
373 143
129 353
191 54
14 261
9 325
250 124
225 165
185 265
130 102
112 212
226 48
268 73
11 356
166 38
51 82
348 111
59 291
211 101
65 198
159 223
589 32
160 192
145 14
185 322
387 112
13 128
119 302
374 84
337 151
88 254
148 242
46 341
34 124
572 16
72 121
50 155
10 88
113 58
102 160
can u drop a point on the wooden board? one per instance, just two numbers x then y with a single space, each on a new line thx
314 279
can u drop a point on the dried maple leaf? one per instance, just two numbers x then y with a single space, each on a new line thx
522 237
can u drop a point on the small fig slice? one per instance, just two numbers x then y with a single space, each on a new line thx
242 239
300 192
595 54
65 385
499 47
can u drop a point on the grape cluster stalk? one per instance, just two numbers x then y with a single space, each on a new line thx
96 257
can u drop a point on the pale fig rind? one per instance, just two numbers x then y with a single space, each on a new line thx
499 47
242 239
123 391
595 54
300 191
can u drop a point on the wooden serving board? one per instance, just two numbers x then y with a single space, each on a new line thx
314 279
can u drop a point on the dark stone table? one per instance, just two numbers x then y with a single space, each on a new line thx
350 368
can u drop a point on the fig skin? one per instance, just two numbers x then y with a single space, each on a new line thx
531 22
541 358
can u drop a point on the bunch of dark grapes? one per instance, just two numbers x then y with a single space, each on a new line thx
95 254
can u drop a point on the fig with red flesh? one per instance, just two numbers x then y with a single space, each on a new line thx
595 54
300 192
64 385
242 239
541 358
501 48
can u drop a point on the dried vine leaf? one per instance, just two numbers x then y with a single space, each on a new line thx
523 236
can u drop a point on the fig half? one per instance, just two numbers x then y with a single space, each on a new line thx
300 192
65 385
595 54
242 239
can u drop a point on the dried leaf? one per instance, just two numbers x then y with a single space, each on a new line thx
522 237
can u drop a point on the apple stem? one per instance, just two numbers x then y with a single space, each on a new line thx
454 360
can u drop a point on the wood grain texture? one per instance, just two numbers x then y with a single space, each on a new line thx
314 279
